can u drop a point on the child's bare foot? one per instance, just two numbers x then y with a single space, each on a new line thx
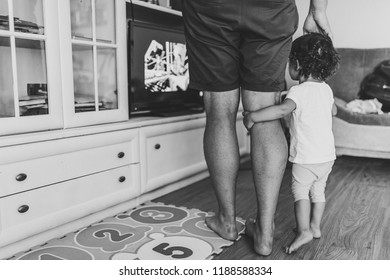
226 230
301 239
316 231
262 242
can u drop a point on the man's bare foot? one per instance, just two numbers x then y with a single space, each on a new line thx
262 243
301 239
226 230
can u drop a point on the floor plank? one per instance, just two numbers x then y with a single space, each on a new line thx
356 223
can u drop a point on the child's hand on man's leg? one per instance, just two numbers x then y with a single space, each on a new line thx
248 122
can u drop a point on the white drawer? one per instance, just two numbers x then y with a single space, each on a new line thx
37 172
31 212
171 152
34 150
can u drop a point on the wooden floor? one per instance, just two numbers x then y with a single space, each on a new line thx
356 223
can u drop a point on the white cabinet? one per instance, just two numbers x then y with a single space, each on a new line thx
171 152
55 182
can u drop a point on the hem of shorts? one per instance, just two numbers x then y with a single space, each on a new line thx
215 88
318 161
264 88
310 199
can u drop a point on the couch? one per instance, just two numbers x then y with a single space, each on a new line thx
363 135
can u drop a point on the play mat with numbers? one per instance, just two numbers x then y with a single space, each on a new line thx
152 231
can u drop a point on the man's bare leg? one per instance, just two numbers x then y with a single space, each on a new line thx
222 157
269 158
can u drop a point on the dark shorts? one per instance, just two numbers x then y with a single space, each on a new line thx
238 43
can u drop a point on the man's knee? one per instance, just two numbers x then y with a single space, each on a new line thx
221 106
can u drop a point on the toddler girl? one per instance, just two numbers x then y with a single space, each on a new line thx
312 61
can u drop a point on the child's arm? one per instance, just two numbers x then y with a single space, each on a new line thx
270 113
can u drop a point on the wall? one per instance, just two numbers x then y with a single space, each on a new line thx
355 23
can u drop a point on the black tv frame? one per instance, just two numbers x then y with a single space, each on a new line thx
189 101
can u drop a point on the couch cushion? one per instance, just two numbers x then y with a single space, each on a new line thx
355 64
356 118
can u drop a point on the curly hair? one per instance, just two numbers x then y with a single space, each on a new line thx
315 55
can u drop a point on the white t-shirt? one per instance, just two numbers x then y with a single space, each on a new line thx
311 123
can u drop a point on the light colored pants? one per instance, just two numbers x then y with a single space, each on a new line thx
310 179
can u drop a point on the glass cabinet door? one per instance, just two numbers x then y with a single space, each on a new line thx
25 90
96 89
94 55
7 97
23 67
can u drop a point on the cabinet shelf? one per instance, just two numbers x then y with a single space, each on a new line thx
155 7
21 25
33 43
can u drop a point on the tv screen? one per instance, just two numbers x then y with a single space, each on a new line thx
159 71
166 67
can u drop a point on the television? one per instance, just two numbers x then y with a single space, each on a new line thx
158 64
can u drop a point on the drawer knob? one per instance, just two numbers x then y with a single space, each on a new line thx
121 154
21 177
23 208
122 179
157 146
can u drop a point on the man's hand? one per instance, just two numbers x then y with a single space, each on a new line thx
248 122
317 20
